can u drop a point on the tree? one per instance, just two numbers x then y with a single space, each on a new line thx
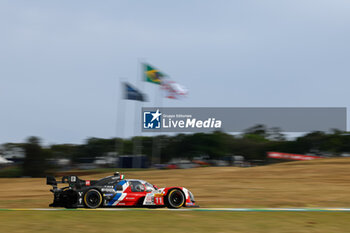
275 134
34 164
259 129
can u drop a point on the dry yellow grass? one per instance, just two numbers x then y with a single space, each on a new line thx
172 222
319 183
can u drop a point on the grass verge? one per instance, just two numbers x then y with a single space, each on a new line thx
171 221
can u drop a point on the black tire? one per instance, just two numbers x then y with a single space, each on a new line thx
175 199
93 199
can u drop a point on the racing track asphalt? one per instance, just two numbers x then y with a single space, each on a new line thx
191 209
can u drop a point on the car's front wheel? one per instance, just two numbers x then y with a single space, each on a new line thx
92 199
175 199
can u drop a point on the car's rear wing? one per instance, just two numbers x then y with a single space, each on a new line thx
71 180
50 180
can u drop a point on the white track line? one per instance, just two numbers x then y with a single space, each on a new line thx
190 209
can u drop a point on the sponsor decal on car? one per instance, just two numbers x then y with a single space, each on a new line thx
111 190
148 199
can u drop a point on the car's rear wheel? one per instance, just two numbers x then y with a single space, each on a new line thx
175 199
93 199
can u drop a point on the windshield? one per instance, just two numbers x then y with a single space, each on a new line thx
149 187
136 186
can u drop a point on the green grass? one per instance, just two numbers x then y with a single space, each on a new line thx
172 221
12 171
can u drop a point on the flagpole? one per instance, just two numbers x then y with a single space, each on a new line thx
140 78
135 128
160 141
152 75
154 140
120 121
137 144
136 105
156 144
116 146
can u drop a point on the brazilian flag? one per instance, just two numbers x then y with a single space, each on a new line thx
152 74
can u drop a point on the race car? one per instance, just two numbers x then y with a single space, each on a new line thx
115 191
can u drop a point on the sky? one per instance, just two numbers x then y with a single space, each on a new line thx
61 62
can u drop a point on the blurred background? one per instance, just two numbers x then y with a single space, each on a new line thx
63 64
257 146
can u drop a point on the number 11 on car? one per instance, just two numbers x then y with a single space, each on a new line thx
158 201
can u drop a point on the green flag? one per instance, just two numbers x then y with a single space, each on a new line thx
152 75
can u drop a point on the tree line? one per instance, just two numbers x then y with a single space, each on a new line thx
253 144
